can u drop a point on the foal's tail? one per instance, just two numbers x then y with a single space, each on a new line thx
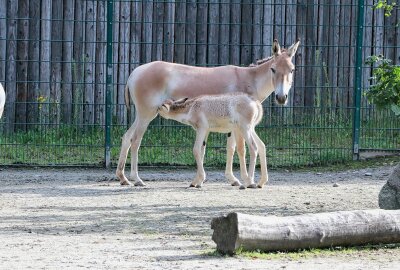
127 99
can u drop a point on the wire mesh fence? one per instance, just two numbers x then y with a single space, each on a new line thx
55 57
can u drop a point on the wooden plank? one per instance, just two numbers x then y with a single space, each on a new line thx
158 31
78 62
123 60
213 33
367 42
11 69
56 58
223 48
90 34
191 14
180 30
268 34
100 60
22 64
3 42
322 230
246 31
45 51
169 31
148 30
299 81
201 33
257 30
34 61
333 51
136 34
116 45
68 34
235 22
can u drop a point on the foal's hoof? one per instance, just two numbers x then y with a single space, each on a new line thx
236 184
259 186
139 184
125 183
242 187
252 186
199 186
192 185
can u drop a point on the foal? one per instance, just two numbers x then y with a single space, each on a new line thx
238 113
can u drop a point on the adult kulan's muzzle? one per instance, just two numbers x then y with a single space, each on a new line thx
281 99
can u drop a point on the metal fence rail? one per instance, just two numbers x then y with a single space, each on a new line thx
64 64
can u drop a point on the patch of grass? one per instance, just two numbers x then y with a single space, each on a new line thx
303 139
304 254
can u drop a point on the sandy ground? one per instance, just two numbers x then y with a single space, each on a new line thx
83 218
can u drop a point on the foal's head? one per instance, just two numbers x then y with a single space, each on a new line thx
282 70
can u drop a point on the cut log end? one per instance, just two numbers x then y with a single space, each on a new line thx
225 233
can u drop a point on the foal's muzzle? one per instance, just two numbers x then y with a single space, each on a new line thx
281 99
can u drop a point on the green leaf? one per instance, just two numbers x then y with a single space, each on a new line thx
396 109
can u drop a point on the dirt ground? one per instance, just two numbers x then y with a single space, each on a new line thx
83 218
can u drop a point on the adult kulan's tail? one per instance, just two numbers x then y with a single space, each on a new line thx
260 112
127 98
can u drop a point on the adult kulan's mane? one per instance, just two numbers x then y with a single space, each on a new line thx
264 60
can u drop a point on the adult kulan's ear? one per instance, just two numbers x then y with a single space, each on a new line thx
276 48
292 49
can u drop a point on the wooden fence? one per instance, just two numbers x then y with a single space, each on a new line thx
53 52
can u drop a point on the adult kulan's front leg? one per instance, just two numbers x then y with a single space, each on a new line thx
230 152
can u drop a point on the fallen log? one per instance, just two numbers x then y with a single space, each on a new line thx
272 233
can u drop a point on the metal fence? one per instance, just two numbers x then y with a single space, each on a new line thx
64 64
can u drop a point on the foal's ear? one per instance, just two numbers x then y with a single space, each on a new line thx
292 49
276 48
180 101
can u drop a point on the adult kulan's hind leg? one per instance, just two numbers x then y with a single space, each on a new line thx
230 151
132 139
253 150
125 145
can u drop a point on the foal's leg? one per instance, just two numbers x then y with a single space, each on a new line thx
230 151
241 150
247 135
263 160
198 153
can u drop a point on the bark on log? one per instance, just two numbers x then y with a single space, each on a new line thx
345 228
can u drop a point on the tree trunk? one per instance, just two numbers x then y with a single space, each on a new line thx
345 228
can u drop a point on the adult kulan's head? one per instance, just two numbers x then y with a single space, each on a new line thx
282 70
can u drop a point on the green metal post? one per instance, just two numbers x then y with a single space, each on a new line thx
109 83
357 81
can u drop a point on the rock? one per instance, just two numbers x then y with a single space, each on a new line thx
389 196
368 174
335 185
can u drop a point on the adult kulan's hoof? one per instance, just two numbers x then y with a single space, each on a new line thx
192 185
125 183
252 186
139 184
199 185
242 187
236 184
259 186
